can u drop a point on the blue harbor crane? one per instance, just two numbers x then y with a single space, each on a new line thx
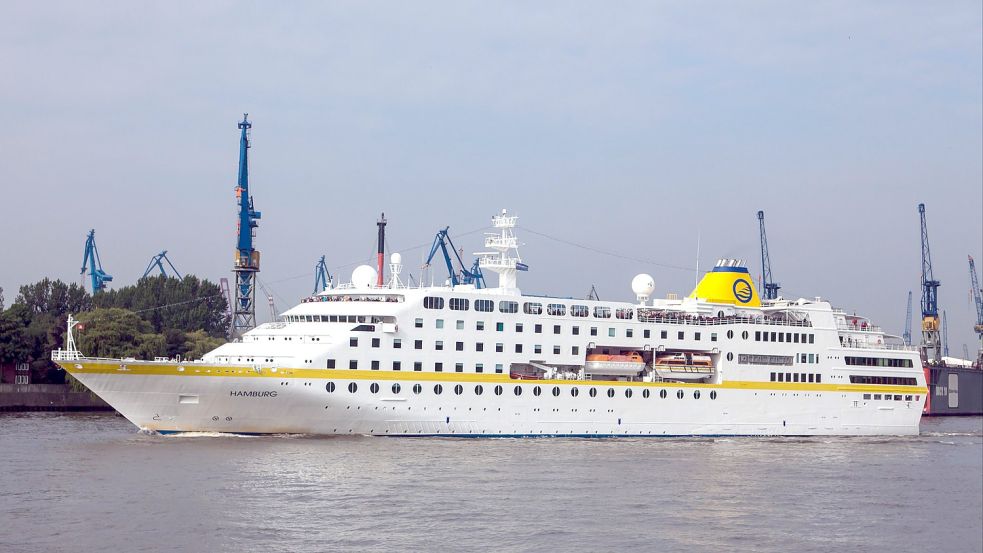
158 261
246 256
322 278
443 242
931 340
770 286
977 293
91 261
907 323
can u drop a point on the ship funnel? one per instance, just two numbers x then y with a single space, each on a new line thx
728 282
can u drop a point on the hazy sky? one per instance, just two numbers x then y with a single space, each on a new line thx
627 127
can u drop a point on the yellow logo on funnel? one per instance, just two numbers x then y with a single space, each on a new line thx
743 291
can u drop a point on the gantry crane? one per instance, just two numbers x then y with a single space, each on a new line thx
977 293
246 256
931 340
158 261
770 286
322 278
91 261
442 241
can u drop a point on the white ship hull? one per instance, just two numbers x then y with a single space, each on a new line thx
266 403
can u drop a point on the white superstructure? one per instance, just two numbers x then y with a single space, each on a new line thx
464 361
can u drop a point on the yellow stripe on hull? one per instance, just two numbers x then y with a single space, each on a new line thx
192 370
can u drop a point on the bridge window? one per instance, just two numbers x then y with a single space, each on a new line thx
579 310
602 312
459 304
485 306
624 313
432 302
531 308
556 309
508 306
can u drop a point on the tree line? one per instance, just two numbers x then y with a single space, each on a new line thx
158 316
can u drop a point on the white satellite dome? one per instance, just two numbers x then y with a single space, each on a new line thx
643 285
363 276
396 259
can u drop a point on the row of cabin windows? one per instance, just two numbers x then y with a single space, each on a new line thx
889 380
417 366
331 319
796 377
537 391
459 346
529 308
897 397
877 362
575 330
786 337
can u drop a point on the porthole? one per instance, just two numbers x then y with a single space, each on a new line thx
574 391
458 389
627 392
662 394
696 394
679 394
556 391
713 394
517 390
329 387
352 387
610 392
498 390
645 394
730 333
417 388
374 388
438 389
396 388
478 389
730 356
592 392
744 335
536 391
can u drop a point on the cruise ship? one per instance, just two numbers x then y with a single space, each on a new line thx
365 358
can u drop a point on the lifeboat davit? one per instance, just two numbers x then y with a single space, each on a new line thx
629 364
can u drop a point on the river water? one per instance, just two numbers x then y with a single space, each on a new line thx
81 482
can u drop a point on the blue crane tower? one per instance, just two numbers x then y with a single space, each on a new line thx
770 286
977 292
473 276
91 261
974 282
158 261
931 340
246 256
907 323
322 278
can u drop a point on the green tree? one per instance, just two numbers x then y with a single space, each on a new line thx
186 304
54 297
15 344
118 333
199 343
